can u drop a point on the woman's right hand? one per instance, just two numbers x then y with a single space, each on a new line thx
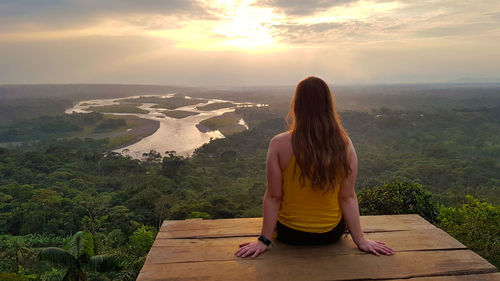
375 247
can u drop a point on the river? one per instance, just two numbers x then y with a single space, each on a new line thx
180 135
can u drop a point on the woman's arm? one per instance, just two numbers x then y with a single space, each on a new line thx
350 210
270 204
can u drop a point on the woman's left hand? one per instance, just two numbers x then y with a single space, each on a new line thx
375 247
251 248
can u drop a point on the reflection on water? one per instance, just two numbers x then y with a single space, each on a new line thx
180 135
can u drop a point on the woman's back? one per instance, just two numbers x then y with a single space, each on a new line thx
304 208
307 209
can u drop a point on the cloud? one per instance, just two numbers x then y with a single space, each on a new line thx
300 7
66 13
364 22
247 42
320 33
457 30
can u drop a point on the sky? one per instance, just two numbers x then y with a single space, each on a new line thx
248 42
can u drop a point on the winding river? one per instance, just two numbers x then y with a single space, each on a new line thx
180 135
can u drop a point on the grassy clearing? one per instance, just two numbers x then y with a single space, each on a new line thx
135 128
122 140
120 108
227 124
131 121
140 128
89 130
179 114
168 103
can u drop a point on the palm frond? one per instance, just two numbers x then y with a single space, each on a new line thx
104 263
74 275
81 244
127 275
58 256
69 276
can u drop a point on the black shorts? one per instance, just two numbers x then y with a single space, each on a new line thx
296 237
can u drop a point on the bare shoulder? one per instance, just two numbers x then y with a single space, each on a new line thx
350 146
281 146
351 154
281 141
282 137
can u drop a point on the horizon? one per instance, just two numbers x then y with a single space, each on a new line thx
450 84
222 43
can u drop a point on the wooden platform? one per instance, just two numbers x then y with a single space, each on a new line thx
204 250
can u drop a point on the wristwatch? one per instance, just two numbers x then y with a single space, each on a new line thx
264 240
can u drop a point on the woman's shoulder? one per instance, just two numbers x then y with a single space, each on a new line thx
281 146
282 139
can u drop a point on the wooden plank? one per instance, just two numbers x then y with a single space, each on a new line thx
195 224
252 226
471 277
335 267
210 228
217 249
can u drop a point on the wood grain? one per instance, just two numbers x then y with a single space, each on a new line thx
204 250
198 228
312 267
178 250
470 277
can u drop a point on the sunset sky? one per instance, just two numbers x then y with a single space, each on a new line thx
262 42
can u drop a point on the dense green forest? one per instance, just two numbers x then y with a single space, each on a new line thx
49 127
442 164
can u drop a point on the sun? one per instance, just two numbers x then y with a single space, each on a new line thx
232 25
246 26
243 25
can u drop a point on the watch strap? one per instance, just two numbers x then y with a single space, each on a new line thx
264 240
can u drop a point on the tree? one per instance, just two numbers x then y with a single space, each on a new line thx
171 164
141 241
477 225
20 250
398 197
152 156
96 208
78 256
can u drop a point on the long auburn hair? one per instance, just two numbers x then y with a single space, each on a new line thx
319 140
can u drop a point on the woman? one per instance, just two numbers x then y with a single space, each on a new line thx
311 171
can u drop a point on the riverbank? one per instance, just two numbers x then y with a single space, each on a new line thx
136 128
228 123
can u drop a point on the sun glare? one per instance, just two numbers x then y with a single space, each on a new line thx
245 26
240 25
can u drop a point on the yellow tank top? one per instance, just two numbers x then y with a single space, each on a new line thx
305 209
